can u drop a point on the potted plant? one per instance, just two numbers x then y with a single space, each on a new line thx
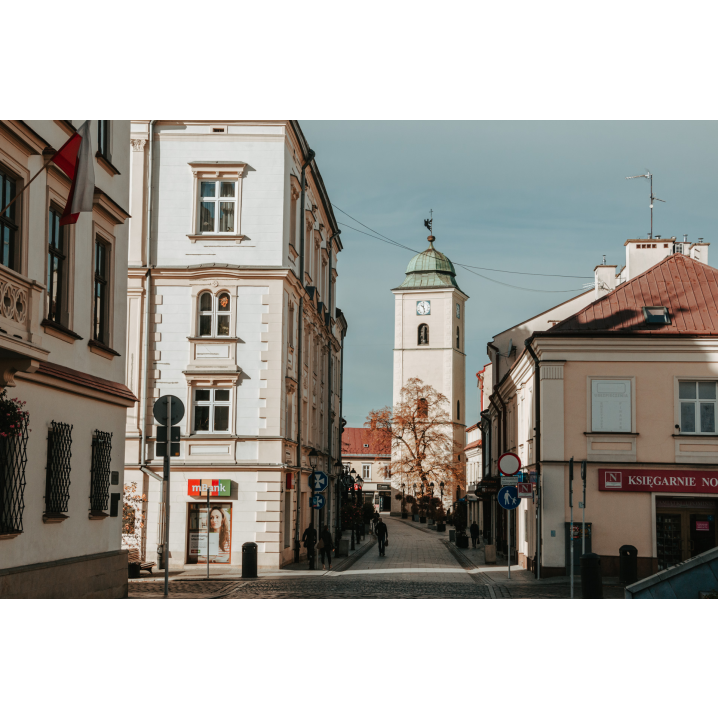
408 500
440 518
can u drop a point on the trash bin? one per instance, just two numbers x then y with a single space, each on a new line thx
249 560
591 583
628 565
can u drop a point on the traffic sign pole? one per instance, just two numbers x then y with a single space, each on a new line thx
570 526
509 535
166 551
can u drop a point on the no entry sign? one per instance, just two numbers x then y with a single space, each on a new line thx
509 464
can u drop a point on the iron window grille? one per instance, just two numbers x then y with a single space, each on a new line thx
13 459
100 471
57 483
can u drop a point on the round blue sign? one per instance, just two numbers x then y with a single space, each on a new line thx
318 502
508 498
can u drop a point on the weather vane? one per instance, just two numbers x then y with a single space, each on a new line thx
429 223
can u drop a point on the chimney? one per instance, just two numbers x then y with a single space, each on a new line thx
699 251
605 279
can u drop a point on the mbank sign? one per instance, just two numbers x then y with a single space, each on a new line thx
220 487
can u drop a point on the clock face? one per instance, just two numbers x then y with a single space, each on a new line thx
458 311
423 308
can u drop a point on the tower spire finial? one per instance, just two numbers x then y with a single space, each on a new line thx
429 224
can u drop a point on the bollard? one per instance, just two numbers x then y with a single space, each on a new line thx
249 560
628 565
591 583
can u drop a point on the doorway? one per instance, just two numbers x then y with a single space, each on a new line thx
684 528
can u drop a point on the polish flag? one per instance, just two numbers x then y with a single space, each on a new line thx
74 158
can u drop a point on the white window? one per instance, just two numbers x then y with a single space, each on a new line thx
217 207
698 406
211 410
366 471
214 315
611 405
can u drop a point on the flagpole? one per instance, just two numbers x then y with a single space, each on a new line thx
12 201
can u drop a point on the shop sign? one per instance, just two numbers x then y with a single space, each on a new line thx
703 526
383 487
525 491
674 481
219 487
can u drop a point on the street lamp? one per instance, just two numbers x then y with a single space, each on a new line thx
313 456
338 471
441 486
360 504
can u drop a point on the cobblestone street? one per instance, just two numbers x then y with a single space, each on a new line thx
419 563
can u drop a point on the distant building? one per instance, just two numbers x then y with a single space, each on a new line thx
627 380
371 461
429 337
63 292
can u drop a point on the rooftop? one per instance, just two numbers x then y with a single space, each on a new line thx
430 268
687 288
357 441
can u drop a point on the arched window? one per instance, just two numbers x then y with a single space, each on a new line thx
423 334
422 409
457 338
214 314
458 411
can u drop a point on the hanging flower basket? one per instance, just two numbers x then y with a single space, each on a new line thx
12 416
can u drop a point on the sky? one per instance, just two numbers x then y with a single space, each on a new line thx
524 196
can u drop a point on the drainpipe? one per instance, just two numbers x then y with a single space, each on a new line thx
537 401
148 298
330 466
300 358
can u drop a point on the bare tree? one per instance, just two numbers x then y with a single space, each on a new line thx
420 432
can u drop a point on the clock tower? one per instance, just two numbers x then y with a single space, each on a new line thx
429 336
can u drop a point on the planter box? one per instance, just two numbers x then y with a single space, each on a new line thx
490 553
462 542
452 535
441 527
415 517
422 519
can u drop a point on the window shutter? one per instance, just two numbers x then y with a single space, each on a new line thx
611 405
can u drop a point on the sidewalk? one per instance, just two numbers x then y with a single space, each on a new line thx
220 573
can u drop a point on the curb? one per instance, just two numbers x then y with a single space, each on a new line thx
351 560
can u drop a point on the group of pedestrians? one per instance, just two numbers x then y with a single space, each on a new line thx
326 543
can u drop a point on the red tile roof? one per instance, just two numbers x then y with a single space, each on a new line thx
686 287
472 445
353 441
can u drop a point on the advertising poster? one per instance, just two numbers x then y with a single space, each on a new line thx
218 549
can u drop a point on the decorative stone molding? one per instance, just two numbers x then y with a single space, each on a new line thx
138 145
552 371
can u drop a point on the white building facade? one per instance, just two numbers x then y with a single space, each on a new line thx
62 341
215 303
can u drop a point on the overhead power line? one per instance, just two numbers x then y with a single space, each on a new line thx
467 267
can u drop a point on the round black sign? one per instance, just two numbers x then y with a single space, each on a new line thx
159 410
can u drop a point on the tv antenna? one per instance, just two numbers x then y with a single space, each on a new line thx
649 177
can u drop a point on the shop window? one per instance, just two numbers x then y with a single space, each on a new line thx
214 314
209 540
57 477
217 207
698 406
611 405
211 410
9 222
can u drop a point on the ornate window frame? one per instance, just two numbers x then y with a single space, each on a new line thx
216 172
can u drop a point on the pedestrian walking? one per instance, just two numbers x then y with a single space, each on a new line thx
474 531
326 546
374 520
382 533
309 537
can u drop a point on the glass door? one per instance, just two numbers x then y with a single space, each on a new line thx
669 540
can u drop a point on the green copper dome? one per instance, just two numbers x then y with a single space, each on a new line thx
430 269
